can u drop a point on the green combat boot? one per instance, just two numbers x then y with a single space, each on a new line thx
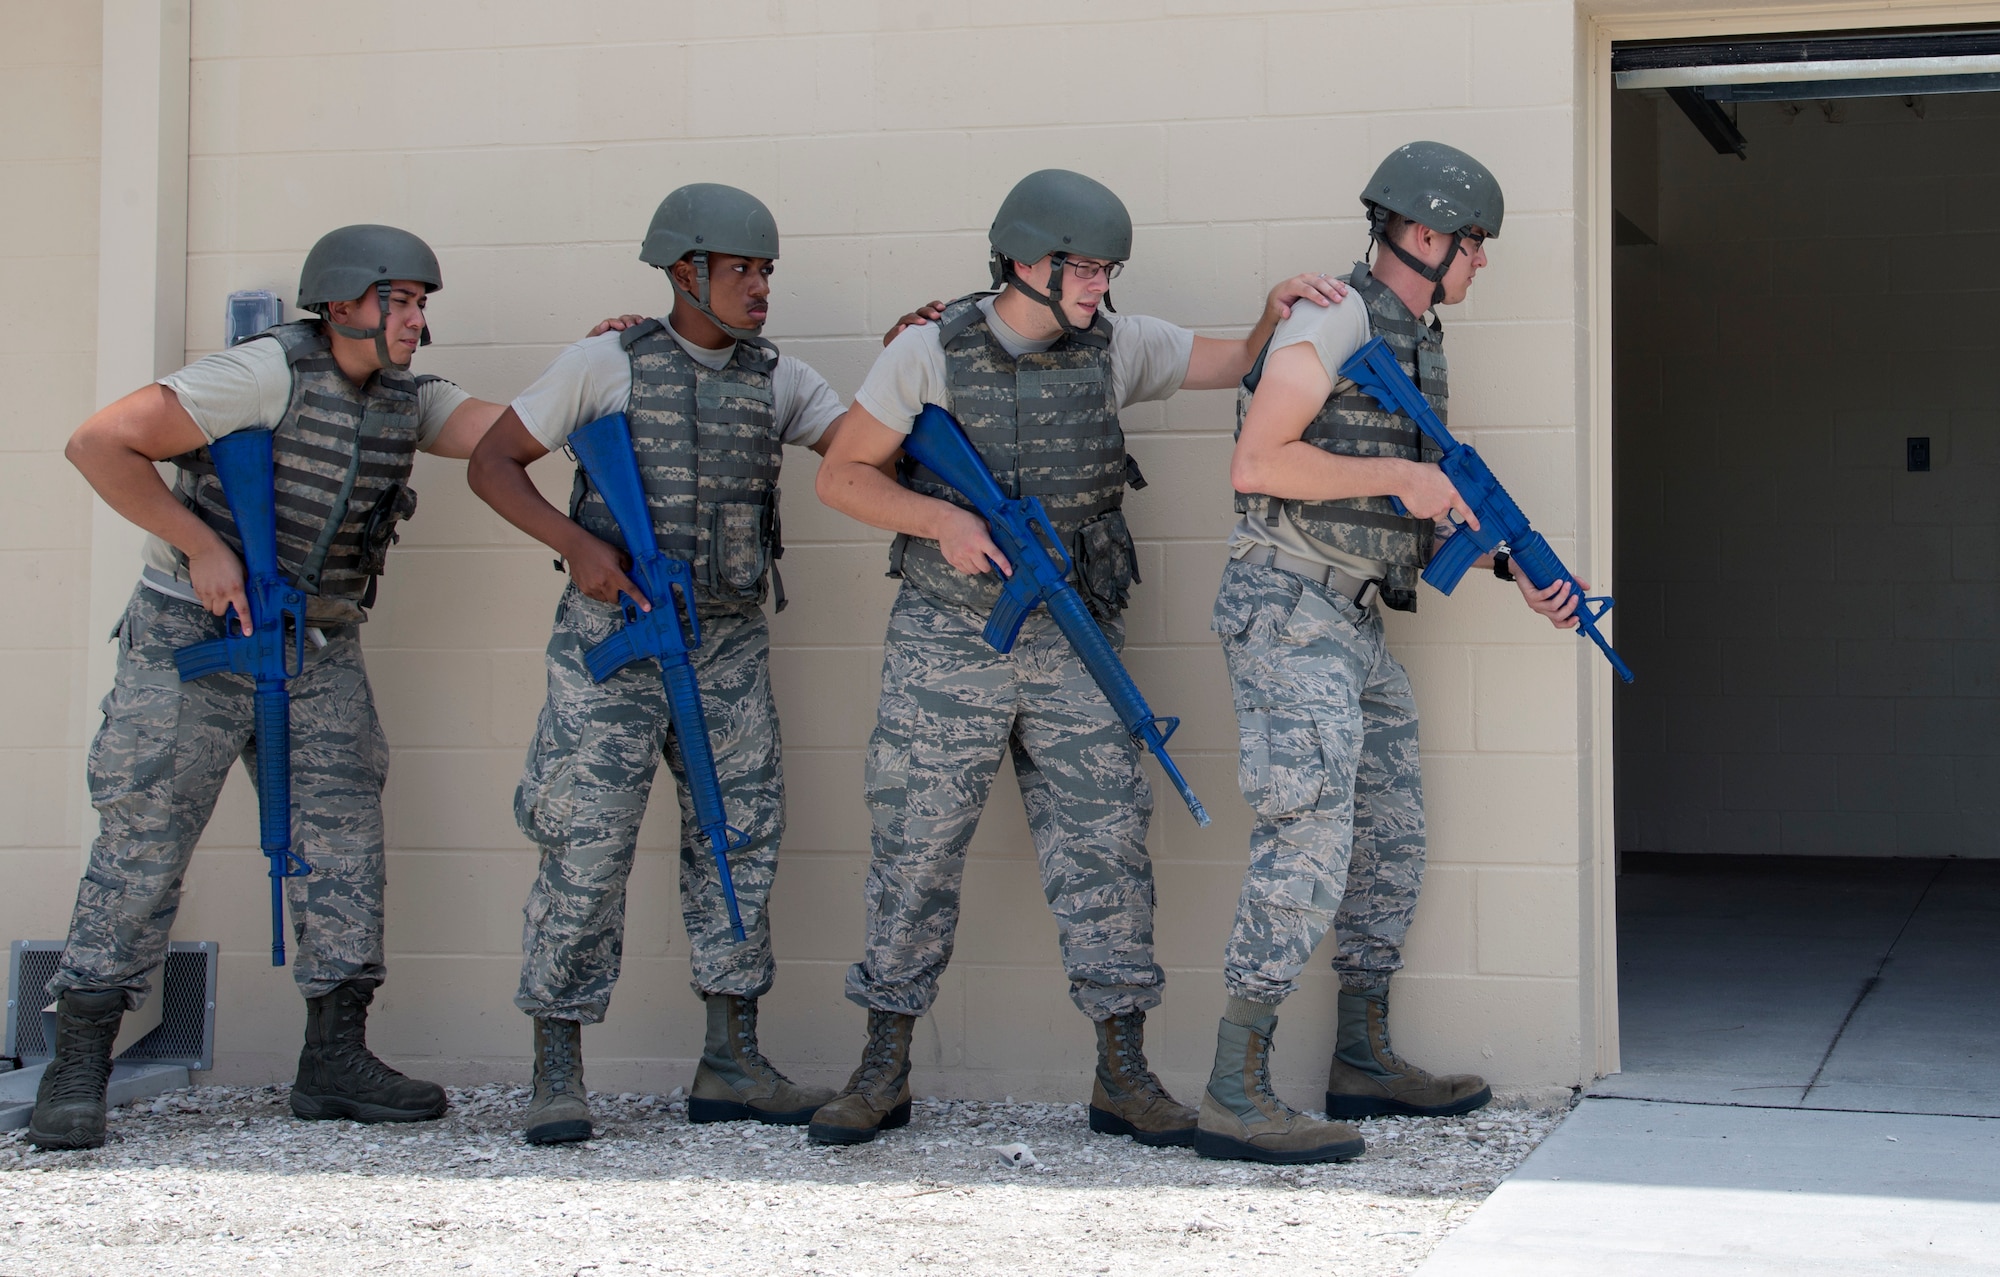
69 1103
1127 1099
1242 1118
559 1110
339 1077
735 1082
877 1097
1368 1079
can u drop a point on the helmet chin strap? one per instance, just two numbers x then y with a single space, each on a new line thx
700 302
1435 274
1053 298
380 333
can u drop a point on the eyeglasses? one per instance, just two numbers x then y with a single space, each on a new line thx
1082 270
1473 237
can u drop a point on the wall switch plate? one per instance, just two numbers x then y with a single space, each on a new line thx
1917 449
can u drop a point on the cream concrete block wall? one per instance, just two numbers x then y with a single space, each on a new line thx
529 144
49 57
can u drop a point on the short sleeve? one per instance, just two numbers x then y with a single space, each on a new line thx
240 388
588 380
806 404
1149 358
437 399
1335 331
908 374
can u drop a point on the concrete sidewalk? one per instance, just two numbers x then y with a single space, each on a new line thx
1851 1003
1640 1189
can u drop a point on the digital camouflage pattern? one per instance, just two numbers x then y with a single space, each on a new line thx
342 454
951 706
707 444
1351 424
155 769
1047 427
1328 727
590 769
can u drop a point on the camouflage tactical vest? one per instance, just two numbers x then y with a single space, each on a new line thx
708 449
1352 424
342 461
1047 426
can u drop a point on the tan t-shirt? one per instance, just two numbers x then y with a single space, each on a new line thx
247 387
1335 332
1149 360
593 378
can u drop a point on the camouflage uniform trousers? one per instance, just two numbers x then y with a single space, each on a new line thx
596 751
1328 727
156 768
950 707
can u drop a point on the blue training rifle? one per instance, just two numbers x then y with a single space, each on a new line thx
1022 530
269 653
1375 370
666 634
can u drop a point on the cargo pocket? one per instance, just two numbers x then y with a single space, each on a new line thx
1106 563
738 550
545 801
1282 770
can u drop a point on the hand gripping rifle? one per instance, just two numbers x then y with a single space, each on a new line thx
243 464
1022 530
1375 370
666 634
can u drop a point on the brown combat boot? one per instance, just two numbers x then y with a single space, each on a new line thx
1368 1079
1127 1099
1242 1118
69 1103
734 1082
559 1110
877 1097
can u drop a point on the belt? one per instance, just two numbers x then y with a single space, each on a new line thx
1363 591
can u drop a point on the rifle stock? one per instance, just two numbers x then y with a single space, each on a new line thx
1022 530
666 634
243 464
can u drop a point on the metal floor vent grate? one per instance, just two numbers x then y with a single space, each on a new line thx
186 988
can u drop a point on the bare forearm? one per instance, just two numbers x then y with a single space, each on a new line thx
503 483
129 484
1298 471
873 496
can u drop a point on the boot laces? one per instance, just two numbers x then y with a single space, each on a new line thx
1129 1061
748 1056
878 1061
86 1066
82 1079
558 1064
1260 1075
1385 1055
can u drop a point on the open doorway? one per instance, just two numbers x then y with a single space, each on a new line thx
1806 387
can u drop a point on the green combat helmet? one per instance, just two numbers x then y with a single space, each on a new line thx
1057 214
347 262
704 218
1440 187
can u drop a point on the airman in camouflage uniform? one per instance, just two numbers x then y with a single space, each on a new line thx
710 405
1325 713
1036 371
348 418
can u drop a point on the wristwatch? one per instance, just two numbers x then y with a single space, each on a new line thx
1500 569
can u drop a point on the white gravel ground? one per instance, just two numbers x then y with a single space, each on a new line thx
222 1180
